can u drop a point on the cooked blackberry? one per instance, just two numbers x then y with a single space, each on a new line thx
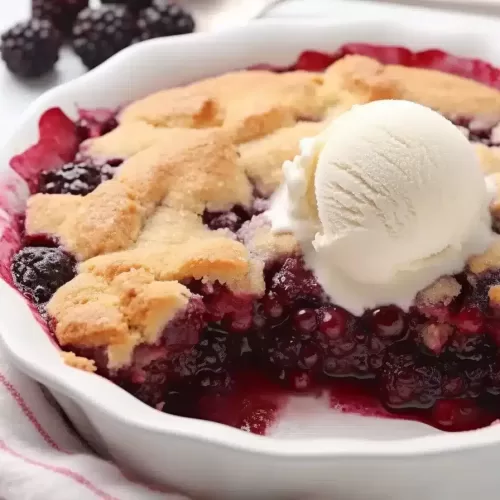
62 13
31 48
409 379
75 178
164 18
232 219
150 391
100 33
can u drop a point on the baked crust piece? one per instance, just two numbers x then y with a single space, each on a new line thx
168 226
247 104
121 300
283 101
494 296
370 80
125 141
119 314
441 292
79 362
189 172
489 260
489 158
212 259
445 92
45 213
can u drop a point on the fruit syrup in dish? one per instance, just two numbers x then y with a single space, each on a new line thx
303 343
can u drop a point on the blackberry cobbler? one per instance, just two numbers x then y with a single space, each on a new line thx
148 248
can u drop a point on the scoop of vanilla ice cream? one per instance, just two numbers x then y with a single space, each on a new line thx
386 200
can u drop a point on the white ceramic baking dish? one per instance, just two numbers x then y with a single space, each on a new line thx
312 453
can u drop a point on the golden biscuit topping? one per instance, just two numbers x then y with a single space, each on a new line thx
45 213
120 313
262 158
213 259
441 292
188 172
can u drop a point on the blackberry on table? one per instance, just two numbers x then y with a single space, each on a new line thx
31 48
62 13
164 18
100 33
75 178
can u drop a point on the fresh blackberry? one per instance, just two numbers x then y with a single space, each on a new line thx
133 5
31 48
100 33
39 271
75 178
62 13
164 18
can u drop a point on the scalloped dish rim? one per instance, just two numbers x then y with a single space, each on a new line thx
108 398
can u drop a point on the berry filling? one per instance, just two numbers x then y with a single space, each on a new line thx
293 340
232 358
49 165
94 123
442 373
57 144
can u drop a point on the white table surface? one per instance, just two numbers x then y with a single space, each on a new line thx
16 95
